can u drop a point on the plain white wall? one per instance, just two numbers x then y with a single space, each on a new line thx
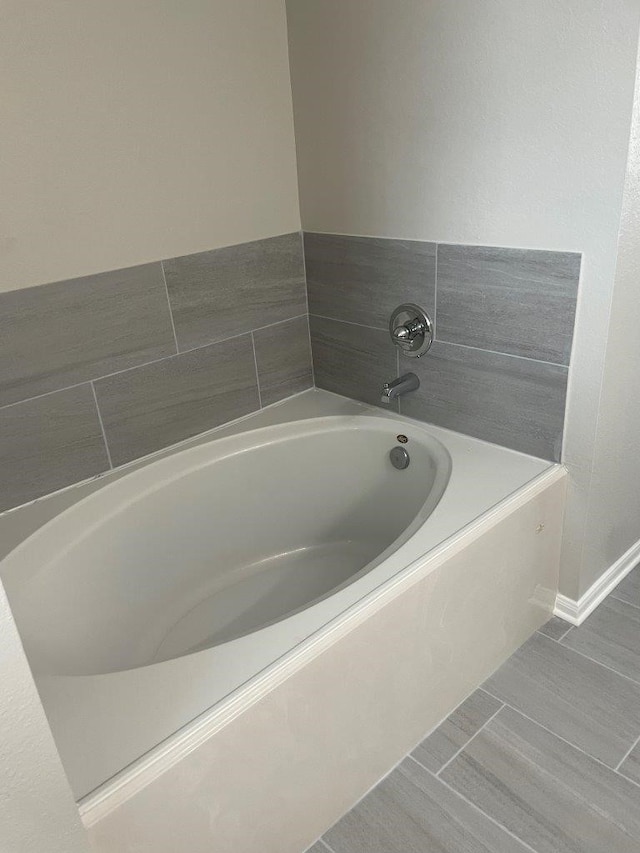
501 123
138 131
37 812
613 518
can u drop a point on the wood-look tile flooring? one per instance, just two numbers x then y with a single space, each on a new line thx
543 758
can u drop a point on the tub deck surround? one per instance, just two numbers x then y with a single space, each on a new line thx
103 722
136 339
504 322
328 721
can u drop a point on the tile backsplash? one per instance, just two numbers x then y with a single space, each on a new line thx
100 370
503 321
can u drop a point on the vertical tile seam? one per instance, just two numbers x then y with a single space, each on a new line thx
255 366
435 296
104 433
625 756
471 739
306 291
173 325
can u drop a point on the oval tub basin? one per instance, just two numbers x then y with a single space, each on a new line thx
219 541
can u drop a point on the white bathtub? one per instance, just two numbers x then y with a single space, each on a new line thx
149 601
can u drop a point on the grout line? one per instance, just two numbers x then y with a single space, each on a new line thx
313 366
504 354
622 600
104 434
255 363
452 344
166 290
268 326
306 290
435 298
593 660
324 843
564 740
625 756
475 735
556 639
349 323
46 394
477 808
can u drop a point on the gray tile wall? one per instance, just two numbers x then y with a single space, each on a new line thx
503 326
100 370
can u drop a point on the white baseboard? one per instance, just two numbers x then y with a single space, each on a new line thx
576 612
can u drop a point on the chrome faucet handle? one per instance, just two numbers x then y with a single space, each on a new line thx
408 331
411 329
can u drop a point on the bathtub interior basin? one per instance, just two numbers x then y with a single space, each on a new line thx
217 542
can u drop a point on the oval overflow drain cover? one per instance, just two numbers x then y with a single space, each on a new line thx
399 458
402 438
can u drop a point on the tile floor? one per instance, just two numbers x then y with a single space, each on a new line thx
543 758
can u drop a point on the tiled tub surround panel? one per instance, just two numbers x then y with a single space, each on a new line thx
72 331
362 279
503 327
96 358
352 360
283 358
515 301
164 402
515 402
228 291
49 442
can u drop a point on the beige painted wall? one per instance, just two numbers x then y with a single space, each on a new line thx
495 123
138 131
130 131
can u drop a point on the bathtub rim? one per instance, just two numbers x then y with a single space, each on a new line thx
78 522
